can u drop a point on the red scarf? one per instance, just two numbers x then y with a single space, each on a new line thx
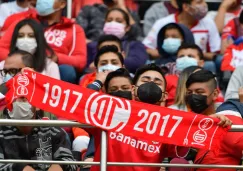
131 118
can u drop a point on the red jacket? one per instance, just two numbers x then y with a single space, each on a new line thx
87 79
66 38
230 151
233 57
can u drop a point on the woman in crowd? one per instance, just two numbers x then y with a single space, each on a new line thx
180 103
28 35
117 23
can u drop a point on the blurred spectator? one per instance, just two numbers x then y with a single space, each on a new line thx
192 14
104 40
108 59
28 35
9 8
33 143
92 18
169 39
156 11
235 83
228 10
232 33
201 95
117 23
65 37
180 103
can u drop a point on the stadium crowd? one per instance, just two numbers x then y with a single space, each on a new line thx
182 54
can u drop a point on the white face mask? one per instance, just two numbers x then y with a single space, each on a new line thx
21 110
27 44
185 62
108 67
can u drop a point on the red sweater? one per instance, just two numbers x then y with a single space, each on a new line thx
66 38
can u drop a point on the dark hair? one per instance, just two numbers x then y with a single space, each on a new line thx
122 72
108 49
109 37
125 15
181 2
145 68
241 17
108 2
192 46
42 47
27 58
202 76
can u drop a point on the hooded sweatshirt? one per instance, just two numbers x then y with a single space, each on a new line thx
66 38
168 60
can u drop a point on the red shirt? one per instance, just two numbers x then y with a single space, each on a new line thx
66 38
123 148
230 151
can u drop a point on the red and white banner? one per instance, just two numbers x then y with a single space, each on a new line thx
115 114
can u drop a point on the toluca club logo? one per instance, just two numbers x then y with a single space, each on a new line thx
107 112
22 81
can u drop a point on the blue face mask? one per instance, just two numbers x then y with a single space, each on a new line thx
185 62
45 7
6 78
171 45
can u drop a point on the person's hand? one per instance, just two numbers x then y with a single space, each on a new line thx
224 121
28 168
162 169
55 167
241 94
228 3
101 76
120 3
92 66
26 68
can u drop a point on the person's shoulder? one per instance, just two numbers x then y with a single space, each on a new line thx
207 20
163 21
7 5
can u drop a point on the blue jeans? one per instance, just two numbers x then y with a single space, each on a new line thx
218 62
210 66
68 73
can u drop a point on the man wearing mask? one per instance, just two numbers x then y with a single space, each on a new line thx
66 38
149 87
192 14
92 18
108 58
9 8
201 95
27 142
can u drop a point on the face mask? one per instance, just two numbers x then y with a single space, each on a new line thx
184 62
21 110
149 93
171 45
45 7
6 78
122 94
27 44
197 103
108 67
200 11
114 28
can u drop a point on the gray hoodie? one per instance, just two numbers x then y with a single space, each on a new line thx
236 81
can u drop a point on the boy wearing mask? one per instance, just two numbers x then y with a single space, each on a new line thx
66 38
191 14
107 59
201 95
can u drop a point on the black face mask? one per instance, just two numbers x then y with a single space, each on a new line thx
122 94
149 93
197 103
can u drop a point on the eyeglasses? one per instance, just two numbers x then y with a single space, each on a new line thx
12 71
